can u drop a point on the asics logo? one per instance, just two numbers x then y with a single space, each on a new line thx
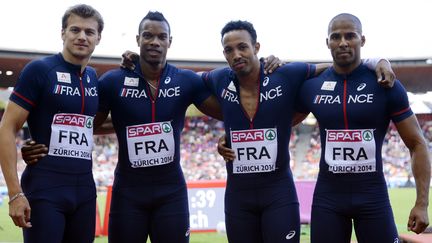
167 80
266 81
290 235
187 232
396 240
361 87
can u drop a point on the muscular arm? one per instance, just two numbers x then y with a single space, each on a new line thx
297 118
12 121
412 136
211 108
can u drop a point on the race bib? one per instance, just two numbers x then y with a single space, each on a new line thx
255 149
350 151
150 144
71 136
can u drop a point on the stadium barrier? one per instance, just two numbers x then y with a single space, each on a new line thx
98 230
206 204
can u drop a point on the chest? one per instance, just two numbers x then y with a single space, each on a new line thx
348 101
145 103
267 105
79 95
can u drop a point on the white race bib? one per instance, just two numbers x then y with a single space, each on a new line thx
255 149
71 136
350 151
150 144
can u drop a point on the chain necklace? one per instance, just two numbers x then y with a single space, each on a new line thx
151 85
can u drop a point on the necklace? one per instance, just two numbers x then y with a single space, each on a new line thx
151 85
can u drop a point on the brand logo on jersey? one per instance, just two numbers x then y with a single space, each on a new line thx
146 130
249 136
128 81
290 235
271 94
167 80
266 81
232 87
88 79
73 120
350 136
336 99
328 85
361 86
64 77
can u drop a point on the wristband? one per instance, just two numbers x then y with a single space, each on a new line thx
16 196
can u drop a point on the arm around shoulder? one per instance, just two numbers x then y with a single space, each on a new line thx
211 107
320 67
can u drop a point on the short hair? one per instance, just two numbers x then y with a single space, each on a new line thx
84 11
156 16
346 16
240 25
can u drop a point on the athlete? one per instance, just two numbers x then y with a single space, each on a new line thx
57 96
260 201
353 113
148 109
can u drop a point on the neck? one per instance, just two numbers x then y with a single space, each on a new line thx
250 80
68 57
151 71
345 70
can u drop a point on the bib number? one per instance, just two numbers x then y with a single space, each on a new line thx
71 136
350 151
255 149
150 144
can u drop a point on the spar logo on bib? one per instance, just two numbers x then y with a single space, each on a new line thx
367 135
350 136
144 130
73 120
270 134
253 135
149 129
166 127
247 136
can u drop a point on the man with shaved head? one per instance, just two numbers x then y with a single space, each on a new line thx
354 112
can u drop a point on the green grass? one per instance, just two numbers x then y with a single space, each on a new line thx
402 201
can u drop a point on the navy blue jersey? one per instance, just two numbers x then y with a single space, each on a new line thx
272 121
148 129
353 113
61 102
